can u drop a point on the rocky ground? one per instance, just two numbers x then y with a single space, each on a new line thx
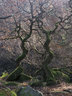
63 89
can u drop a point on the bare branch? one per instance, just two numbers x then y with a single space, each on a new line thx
6 17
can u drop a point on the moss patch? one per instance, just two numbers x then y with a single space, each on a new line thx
51 78
35 82
7 92
3 93
4 75
65 77
60 76
11 83
51 81
56 76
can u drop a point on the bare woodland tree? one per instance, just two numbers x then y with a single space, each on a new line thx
33 15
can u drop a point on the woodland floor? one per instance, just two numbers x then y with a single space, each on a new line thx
63 89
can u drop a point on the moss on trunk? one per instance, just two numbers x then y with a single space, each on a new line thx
14 75
23 77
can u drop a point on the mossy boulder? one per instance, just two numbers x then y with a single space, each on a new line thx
23 77
15 74
28 91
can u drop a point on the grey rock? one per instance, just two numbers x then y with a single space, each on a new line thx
28 91
7 62
68 90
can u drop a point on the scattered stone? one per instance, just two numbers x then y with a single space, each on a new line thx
68 90
28 91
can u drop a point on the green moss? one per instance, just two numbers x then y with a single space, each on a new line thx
3 93
11 83
51 81
50 77
14 75
7 92
66 71
23 55
55 69
60 76
65 77
4 75
13 93
23 77
35 82
56 76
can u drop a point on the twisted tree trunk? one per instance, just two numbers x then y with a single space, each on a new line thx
48 56
24 50
23 55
